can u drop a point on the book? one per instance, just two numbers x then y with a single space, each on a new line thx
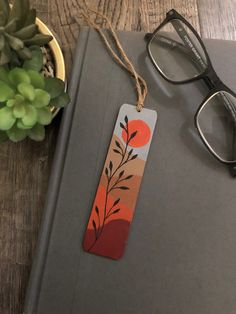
181 251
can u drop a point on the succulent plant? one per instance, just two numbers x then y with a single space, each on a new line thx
26 99
18 32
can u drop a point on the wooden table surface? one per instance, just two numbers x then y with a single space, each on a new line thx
25 167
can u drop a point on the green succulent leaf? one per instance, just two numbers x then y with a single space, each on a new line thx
25 53
54 86
19 11
27 91
19 99
6 92
61 101
5 55
11 103
5 8
19 111
7 119
16 135
37 133
36 61
2 42
18 32
4 59
14 42
14 60
20 125
11 26
37 79
31 17
39 40
44 116
4 75
26 32
42 99
30 117
25 102
17 76
2 18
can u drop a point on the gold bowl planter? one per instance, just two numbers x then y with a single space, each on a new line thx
59 62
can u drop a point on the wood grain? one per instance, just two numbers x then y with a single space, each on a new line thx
217 19
25 167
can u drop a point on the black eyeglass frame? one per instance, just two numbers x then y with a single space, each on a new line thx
209 76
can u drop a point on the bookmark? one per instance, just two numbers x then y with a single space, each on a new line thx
117 192
118 189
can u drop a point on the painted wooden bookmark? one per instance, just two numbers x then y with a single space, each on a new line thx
118 189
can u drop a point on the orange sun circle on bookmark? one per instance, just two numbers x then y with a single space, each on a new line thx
143 133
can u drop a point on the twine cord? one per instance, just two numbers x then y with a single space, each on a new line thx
140 83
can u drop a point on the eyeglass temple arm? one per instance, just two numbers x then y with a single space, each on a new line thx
188 42
193 50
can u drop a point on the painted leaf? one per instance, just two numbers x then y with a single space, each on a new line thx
122 126
129 177
118 144
116 151
94 226
116 211
116 202
130 152
106 172
121 173
123 187
110 165
133 135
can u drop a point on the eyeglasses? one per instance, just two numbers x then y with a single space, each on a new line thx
179 55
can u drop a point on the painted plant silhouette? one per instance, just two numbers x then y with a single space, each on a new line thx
114 183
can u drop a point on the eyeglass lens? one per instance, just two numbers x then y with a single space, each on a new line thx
216 122
177 52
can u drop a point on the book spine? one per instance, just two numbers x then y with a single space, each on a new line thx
33 289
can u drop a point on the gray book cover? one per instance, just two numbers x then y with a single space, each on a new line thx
181 251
